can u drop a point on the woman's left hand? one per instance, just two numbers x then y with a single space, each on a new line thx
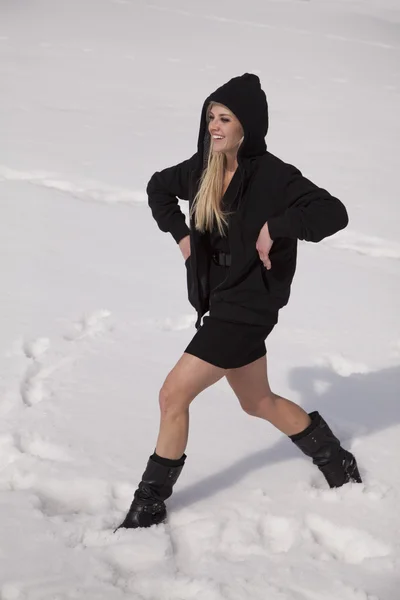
264 245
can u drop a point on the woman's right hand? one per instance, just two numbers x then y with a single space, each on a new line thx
184 245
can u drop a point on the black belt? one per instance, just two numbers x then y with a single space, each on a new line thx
221 259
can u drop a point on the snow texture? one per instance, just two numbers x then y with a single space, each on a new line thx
96 95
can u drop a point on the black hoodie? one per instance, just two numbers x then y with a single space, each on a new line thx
264 189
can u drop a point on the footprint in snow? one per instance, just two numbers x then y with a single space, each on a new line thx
33 386
33 444
14 445
64 497
9 452
347 544
89 325
21 350
36 348
18 452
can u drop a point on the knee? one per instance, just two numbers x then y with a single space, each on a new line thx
261 407
172 400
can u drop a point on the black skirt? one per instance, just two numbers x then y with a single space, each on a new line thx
228 344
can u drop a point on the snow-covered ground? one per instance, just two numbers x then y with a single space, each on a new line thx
96 95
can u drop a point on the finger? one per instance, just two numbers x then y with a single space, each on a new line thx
265 259
263 255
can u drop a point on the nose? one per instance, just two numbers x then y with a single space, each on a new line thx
213 130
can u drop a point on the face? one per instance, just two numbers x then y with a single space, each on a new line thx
225 129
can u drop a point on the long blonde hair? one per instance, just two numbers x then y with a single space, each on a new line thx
206 208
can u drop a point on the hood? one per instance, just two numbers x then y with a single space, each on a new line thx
245 98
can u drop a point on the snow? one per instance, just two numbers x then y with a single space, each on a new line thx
96 95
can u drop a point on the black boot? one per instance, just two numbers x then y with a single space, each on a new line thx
148 506
317 441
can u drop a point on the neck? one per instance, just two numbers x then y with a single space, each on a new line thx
231 162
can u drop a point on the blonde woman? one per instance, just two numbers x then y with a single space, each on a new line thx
248 208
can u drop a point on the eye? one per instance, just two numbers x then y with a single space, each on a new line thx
223 119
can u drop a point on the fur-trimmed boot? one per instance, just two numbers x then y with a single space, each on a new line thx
148 507
317 441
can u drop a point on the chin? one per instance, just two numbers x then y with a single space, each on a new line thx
219 150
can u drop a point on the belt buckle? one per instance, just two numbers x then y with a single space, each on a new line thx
221 258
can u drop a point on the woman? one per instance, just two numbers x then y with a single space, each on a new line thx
247 211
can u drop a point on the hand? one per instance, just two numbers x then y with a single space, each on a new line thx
184 245
264 245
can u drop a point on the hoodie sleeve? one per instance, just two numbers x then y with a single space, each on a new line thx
163 190
310 212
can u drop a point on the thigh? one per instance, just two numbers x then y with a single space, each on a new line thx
250 383
190 376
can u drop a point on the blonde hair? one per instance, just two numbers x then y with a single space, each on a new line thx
206 208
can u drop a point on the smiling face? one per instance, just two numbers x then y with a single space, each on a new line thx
225 129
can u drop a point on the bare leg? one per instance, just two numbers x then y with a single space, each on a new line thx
251 386
188 378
